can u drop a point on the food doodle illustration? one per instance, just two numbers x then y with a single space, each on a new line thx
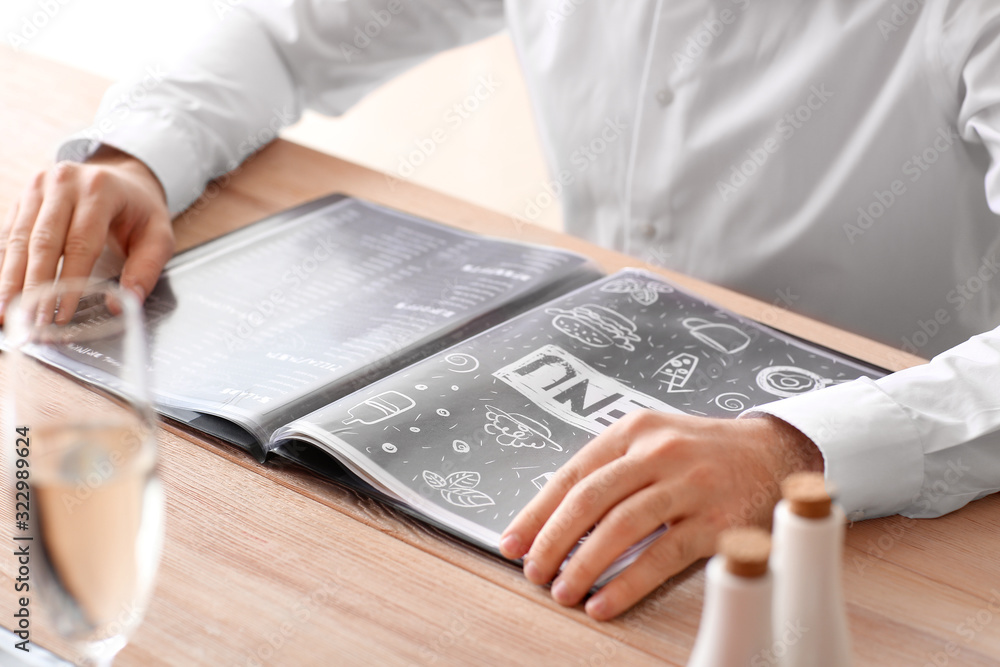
389 447
788 381
570 390
733 401
459 488
642 291
380 407
540 481
460 446
595 326
719 336
461 362
518 431
677 371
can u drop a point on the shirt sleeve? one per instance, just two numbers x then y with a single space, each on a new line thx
200 113
926 441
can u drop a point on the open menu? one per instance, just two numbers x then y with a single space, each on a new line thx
266 324
468 435
445 373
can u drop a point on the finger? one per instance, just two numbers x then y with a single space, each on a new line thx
15 259
149 248
45 245
606 447
81 248
581 508
629 522
683 544
5 230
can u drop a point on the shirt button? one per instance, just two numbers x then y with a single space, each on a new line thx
649 231
665 97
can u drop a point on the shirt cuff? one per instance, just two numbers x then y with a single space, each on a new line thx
871 447
153 138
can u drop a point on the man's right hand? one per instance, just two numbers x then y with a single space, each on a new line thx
71 210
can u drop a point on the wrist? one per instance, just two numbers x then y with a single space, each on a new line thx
112 157
767 450
791 450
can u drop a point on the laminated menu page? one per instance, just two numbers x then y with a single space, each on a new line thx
467 436
268 323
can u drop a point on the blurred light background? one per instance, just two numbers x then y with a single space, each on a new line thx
492 159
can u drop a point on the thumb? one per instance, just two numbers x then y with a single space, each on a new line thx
149 247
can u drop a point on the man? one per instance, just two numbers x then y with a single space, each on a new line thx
830 154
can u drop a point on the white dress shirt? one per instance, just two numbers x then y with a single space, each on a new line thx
839 158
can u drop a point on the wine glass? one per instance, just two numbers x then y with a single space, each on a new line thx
87 497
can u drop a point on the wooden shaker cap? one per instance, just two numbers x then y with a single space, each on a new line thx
746 551
807 495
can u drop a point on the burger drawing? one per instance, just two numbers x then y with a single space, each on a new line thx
595 326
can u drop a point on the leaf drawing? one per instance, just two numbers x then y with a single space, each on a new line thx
435 480
466 497
458 488
465 479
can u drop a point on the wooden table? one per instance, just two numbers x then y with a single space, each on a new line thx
272 566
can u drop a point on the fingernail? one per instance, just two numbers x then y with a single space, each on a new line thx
560 592
596 607
531 572
140 293
511 547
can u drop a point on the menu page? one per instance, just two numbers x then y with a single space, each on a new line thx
469 435
269 323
